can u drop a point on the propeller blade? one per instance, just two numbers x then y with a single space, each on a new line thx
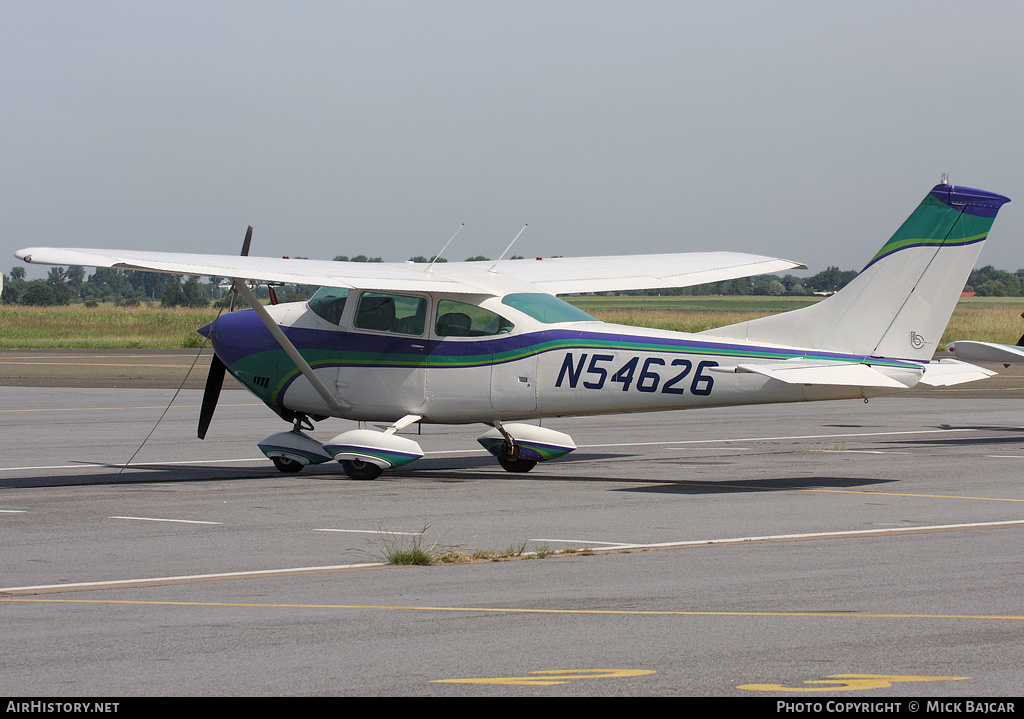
245 243
214 381
245 253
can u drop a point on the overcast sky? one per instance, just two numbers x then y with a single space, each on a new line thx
806 130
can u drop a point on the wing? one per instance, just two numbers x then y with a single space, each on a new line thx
384 276
553 276
562 275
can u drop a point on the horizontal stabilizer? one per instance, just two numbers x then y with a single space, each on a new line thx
947 372
823 373
986 352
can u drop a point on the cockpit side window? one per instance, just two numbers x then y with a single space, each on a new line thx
386 312
329 303
459 319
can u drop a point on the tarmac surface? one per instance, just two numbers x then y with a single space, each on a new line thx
846 550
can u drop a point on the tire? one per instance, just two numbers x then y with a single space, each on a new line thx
518 466
288 466
358 469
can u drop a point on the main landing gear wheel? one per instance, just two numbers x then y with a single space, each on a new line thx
358 469
288 466
516 465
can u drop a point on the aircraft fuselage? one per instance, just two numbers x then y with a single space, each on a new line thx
515 367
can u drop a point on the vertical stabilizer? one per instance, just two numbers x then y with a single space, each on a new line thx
899 304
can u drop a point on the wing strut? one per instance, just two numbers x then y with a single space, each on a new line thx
336 405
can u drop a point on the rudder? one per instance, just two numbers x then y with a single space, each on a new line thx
899 304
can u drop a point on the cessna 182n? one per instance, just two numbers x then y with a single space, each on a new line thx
475 342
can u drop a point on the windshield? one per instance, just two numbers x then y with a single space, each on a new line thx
546 308
329 303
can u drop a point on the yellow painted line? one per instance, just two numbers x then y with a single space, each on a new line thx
512 610
848 682
550 677
909 494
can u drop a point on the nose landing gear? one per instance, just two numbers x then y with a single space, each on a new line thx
291 451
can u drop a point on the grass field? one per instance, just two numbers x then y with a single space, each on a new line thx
103 327
686 313
991 319
693 303
988 319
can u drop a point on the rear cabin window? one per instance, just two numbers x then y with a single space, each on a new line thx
458 319
385 312
546 308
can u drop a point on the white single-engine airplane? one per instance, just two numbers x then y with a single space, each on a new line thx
469 342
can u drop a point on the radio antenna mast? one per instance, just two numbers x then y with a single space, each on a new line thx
438 255
495 265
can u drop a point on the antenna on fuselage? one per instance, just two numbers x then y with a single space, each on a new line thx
438 255
495 265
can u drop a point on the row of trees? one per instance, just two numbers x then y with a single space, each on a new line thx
63 286
990 282
66 285
831 280
985 282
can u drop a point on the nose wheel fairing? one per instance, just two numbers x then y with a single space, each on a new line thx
293 447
